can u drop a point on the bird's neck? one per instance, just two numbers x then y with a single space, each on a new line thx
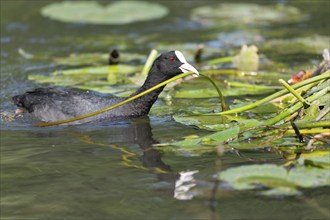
145 102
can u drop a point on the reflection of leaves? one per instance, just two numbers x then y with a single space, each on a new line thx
91 12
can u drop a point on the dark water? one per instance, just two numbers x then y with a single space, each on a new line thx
111 170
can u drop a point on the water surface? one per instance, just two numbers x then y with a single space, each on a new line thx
112 170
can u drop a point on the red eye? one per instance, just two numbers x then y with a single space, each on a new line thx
171 59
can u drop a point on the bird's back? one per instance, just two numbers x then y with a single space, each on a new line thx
49 104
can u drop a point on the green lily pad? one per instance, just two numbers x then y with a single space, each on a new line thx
246 177
116 13
245 13
319 159
309 177
275 177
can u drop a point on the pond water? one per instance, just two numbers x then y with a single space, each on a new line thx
114 170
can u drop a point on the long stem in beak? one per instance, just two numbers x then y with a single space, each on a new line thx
186 67
116 105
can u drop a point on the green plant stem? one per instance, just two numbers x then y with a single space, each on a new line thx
222 99
313 124
323 76
116 105
309 131
152 56
296 107
299 97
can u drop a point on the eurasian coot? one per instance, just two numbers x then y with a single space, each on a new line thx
50 104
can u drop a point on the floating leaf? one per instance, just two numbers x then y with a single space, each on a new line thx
245 13
246 177
309 177
319 159
116 13
276 177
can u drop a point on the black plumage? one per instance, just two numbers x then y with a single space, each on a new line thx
50 104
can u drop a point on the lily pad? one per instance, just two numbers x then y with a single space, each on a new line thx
319 159
246 177
245 13
116 13
275 177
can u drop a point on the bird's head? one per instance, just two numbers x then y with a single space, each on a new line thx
172 63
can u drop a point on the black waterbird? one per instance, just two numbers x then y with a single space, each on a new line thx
50 104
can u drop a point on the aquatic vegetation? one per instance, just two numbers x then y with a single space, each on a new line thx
275 180
96 59
300 114
116 13
294 46
245 13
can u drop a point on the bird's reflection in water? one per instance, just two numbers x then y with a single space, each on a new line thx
138 131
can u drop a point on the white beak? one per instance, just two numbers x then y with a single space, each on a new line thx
185 67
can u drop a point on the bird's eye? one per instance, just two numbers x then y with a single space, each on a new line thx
171 59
